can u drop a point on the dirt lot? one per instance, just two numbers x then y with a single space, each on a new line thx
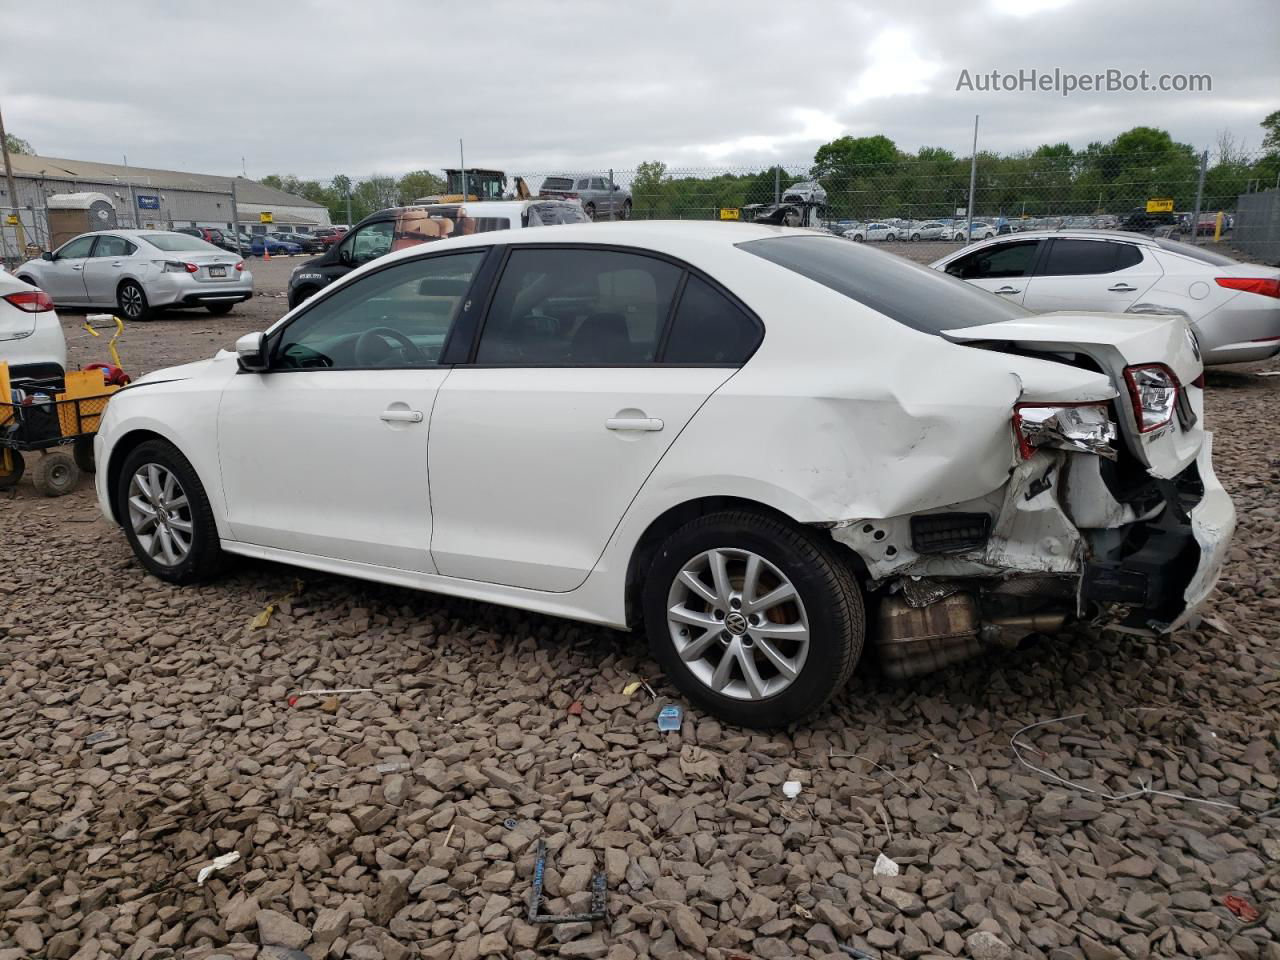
145 730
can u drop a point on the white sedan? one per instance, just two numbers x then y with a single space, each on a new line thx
31 340
872 232
744 437
136 272
1233 307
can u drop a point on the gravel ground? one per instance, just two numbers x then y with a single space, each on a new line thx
146 729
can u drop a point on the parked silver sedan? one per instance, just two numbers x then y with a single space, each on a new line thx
136 272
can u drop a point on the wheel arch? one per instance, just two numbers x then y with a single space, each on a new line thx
115 464
672 519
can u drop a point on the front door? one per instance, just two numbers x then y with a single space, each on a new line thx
326 453
1002 268
63 279
538 447
1080 274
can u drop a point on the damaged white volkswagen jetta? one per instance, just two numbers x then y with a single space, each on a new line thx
744 437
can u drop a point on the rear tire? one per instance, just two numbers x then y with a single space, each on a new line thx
220 309
915 238
817 635
143 491
82 450
626 210
131 300
590 210
55 474
17 466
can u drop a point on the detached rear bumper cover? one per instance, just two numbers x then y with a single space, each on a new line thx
1054 519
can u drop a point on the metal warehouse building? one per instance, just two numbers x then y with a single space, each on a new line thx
146 198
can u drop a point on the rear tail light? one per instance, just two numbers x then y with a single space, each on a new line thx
1085 427
177 266
31 301
1263 286
1153 390
240 265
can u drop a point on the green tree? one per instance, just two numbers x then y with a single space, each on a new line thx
847 157
419 183
17 145
1271 138
647 188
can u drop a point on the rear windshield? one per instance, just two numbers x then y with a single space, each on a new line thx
1195 253
174 242
915 296
557 183
550 214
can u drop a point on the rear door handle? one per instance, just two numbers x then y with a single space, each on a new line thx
402 416
633 423
78 266
1122 288
1009 290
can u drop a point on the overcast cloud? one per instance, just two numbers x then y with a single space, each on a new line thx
388 86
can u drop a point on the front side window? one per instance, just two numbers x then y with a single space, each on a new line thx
393 319
710 329
994 263
575 307
598 183
368 243
1074 258
113 247
583 184
79 247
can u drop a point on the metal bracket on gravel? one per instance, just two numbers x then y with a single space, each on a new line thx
597 911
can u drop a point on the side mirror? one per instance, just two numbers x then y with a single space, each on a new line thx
251 352
47 255
616 187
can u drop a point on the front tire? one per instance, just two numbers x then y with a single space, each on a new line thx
755 620
166 516
131 299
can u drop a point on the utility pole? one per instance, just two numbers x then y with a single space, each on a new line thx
13 188
235 219
777 184
973 182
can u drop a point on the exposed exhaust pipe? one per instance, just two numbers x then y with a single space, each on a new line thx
915 640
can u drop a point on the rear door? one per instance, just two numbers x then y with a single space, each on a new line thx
1000 268
1091 274
540 443
106 268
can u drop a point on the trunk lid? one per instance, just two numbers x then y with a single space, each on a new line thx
214 267
1114 341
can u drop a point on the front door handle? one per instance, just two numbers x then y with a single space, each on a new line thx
633 423
1009 290
78 266
402 416
1122 288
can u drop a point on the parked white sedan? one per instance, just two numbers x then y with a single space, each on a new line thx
734 434
136 272
872 232
1233 307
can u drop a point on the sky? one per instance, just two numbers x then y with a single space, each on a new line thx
387 86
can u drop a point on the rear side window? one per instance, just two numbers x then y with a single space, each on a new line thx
915 296
574 307
992 263
1195 253
1075 258
709 328
557 183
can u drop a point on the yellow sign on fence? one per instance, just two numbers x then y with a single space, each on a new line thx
730 213
264 218
1160 205
11 219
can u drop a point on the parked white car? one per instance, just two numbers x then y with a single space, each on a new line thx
732 433
137 272
31 339
930 230
1233 307
872 232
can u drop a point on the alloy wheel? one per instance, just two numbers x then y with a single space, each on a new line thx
160 514
738 623
131 301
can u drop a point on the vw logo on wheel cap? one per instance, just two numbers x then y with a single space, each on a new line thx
736 624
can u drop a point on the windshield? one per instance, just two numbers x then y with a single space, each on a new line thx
915 296
173 242
1195 253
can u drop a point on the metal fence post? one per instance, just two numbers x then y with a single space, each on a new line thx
973 181
235 219
777 184
613 201
1195 217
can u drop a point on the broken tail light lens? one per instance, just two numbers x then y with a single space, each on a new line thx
1153 391
1083 427
31 301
